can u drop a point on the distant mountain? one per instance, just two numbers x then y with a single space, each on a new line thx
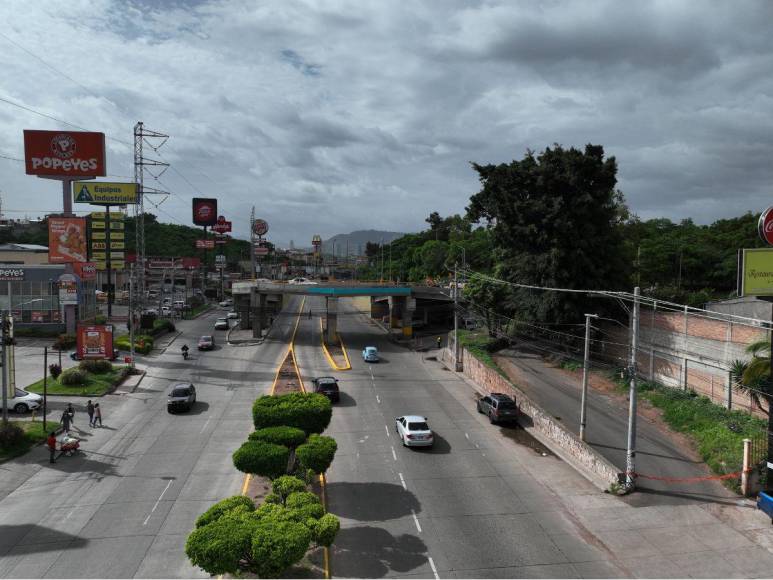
357 240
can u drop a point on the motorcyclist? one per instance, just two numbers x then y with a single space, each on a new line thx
185 350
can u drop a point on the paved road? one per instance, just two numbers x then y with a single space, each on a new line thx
657 453
125 506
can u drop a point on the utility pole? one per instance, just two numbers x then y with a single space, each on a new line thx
769 391
252 243
457 366
5 324
585 364
381 277
131 312
630 455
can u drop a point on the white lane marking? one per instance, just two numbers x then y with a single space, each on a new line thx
67 517
394 455
402 480
378 399
434 570
147 519
387 430
466 435
205 425
416 521
370 368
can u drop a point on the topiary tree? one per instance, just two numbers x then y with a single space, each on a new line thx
97 366
317 453
277 545
230 505
308 411
286 485
223 546
261 458
326 529
73 377
303 505
282 435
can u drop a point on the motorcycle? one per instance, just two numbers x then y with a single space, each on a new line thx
185 352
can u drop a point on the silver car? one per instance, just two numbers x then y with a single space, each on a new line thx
414 431
23 401
182 396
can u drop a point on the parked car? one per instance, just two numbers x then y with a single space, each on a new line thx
179 305
370 354
182 396
499 408
327 386
301 281
206 342
166 311
221 324
23 401
414 431
226 303
232 315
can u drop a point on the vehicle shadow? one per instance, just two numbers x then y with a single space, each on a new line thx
371 501
42 539
198 408
370 552
440 447
345 400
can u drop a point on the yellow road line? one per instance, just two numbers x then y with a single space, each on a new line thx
330 359
289 350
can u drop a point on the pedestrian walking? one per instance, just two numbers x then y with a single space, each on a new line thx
71 411
65 421
51 442
90 411
439 341
97 415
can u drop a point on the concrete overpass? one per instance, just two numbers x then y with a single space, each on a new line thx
251 301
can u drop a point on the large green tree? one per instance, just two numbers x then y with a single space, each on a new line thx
555 219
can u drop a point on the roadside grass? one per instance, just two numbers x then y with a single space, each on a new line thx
33 434
95 386
717 432
481 346
195 311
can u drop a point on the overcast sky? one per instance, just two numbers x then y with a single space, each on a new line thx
333 116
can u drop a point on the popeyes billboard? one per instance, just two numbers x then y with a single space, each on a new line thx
64 153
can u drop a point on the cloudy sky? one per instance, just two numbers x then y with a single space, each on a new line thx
334 115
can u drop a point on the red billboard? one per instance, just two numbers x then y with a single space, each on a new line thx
205 244
85 270
221 226
204 211
64 153
66 240
95 341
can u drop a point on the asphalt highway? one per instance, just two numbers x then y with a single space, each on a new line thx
123 507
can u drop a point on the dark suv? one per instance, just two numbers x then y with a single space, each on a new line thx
500 408
182 396
327 386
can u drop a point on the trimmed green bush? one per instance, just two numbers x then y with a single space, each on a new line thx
222 546
73 377
10 435
326 529
317 453
277 545
304 505
98 367
55 370
162 325
288 436
143 343
308 411
64 342
262 458
286 485
100 319
238 503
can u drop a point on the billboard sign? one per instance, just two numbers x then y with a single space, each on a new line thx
68 289
85 270
260 227
261 250
765 226
66 240
205 244
221 226
64 153
95 341
104 193
204 211
756 277
11 274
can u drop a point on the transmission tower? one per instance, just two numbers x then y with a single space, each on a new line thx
141 135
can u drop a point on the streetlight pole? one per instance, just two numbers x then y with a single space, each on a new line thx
585 363
131 312
630 456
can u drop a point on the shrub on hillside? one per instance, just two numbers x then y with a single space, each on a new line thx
261 458
288 436
230 505
73 377
308 411
98 367
317 453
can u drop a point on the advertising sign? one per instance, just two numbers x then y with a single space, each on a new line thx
756 272
191 263
261 250
95 341
205 244
765 226
107 246
68 289
204 211
64 153
85 270
66 240
260 227
11 274
220 240
221 226
104 193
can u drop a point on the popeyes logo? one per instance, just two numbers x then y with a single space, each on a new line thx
64 153
765 226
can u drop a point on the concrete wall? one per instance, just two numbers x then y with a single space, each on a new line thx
549 431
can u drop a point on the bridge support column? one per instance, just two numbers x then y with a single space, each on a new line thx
331 316
396 308
242 306
409 308
260 316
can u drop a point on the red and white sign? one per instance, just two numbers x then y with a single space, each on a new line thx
64 153
95 341
205 244
221 226
261 250
765 226
191 263
260 227
85 270
204 211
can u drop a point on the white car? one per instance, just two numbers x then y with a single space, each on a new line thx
226 303
414 431
166 311
24 401
221 324
232 315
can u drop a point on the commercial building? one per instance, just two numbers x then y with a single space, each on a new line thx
13 253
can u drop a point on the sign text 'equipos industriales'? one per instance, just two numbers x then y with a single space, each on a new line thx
104 193
64 153
204 211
